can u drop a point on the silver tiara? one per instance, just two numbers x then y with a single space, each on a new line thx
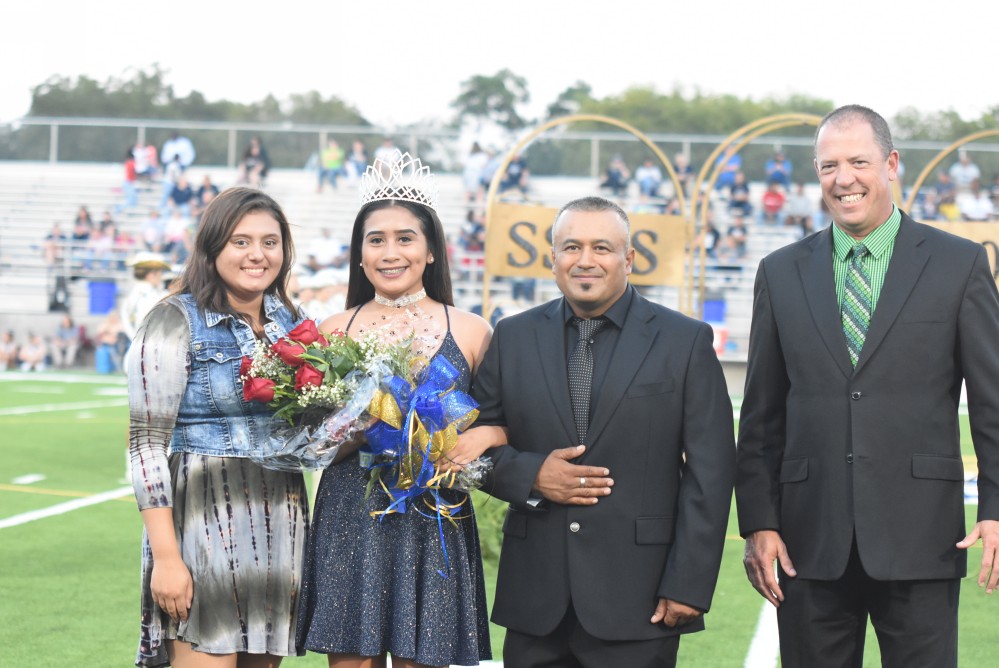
401 177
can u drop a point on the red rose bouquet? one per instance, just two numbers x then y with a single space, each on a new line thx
320 388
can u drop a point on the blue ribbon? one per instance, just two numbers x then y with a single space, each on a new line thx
437 404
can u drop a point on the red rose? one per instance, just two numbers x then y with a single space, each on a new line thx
305 333
289 352
258 389
244 366
307 375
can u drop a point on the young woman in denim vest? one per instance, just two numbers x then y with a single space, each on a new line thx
223 541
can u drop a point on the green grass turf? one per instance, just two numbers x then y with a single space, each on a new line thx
69 583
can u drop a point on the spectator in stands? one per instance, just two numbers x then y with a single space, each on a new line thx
738 196
255 164
82 224
34 354
471 173
128 190
331 164
963 172
180 148
976 205
99 248
492 165
176 237
617 176
8 350
649 177
326 252
709 238
181 196
357 161
730 164
946 197
324 293
778 170
516 175
772 210
207 191
111 344
684 172
148 270
735 237
473 232
152 231
798 210
387 152
146 162
53 245
65 343
172 171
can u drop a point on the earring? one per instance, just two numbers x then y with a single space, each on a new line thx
360 264
430 260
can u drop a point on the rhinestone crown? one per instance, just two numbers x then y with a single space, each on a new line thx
404 177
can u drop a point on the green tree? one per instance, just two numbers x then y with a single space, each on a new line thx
494 98
571 100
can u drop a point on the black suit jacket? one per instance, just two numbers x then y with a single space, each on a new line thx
826 451
662 424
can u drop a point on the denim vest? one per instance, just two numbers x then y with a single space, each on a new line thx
214 419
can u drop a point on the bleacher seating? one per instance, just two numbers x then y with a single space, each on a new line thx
34 195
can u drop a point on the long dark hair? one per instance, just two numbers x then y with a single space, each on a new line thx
436 275
220 218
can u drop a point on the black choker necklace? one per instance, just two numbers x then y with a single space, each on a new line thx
405 300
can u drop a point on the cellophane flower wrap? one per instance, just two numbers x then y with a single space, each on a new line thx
320 388
326 389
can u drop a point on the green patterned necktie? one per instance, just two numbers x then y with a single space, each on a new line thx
857 306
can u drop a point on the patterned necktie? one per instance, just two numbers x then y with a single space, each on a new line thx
581 373
857 306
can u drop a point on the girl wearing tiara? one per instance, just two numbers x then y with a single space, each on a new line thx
398 583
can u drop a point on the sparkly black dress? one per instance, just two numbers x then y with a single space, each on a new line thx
372 586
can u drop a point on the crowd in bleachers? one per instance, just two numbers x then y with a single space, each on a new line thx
162 199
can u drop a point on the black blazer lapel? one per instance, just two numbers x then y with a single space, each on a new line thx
819 285
907 261
550 344
633 345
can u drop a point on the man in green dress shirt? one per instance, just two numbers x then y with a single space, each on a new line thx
850 475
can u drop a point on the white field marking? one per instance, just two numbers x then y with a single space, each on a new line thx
61 377
66 507
113 391
28 479
52 408
765 648
48 389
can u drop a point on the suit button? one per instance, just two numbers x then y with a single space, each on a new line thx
849 458
855 396
574 527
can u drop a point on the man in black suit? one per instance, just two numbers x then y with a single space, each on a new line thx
850 474
611 549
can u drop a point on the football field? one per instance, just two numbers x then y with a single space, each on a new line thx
70 532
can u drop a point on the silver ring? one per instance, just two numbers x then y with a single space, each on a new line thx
582 482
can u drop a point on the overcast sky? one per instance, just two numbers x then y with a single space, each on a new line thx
403 61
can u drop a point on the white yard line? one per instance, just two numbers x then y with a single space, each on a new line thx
51 408
66 507
62 377
765 648
28 479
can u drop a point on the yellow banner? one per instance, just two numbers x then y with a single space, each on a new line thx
987 234
518 244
